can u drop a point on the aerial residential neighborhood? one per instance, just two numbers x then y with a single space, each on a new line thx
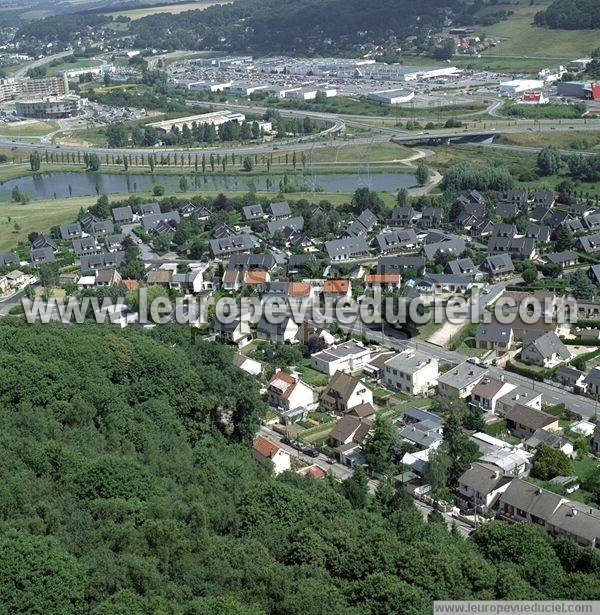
299 307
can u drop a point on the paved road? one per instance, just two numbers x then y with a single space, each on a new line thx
23 71
342 472
551 394
9 302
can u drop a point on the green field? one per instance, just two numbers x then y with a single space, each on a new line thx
166 8
31 129
565 140
521 39
41 216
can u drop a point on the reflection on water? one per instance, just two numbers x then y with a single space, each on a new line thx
64 184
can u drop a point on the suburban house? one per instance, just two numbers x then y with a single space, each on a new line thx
460 380
498 265
41 256
592 381
344 392
122 215
280 210
253 212
403 216
488 391
432 216
411 371
346 248
108 277
350 357
250 366
235 332
543 349
555 514
256 278
233 244
494 336
423 436
461 266
522 421
68 232
401 264
159 277
510 460
287 392
268 452
481 485
383 281
551 439
348 430
9 258
396 240
281 332
518 395
337 289
564 259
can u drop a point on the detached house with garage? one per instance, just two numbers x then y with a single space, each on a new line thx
350 357
494 337
543 349
411 371
522 421
344 393
267 452
286 392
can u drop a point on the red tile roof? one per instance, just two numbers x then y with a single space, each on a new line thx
255 276
336 286
383 278
265 447
299 289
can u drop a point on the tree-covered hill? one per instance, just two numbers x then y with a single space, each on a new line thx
571 15
122 492
290 25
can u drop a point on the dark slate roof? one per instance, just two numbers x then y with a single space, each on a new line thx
493 333
547 344
397 264
297 224
122 214
7 258
281 209
108 260
346 247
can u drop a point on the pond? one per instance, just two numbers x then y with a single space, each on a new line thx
65 184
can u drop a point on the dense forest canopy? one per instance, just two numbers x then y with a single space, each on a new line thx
571 15
300 25
122 492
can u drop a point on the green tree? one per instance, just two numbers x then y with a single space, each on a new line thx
550 462
378 447
422 174
549 161
356 488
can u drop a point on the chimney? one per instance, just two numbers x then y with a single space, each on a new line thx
538 491
573 511
517 397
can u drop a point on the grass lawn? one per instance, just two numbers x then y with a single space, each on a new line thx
520 38
586 466
428 329
36 216
75 64
354 154
565 140
311 376
29 129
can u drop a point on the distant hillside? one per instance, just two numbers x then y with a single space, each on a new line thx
571 15
292 25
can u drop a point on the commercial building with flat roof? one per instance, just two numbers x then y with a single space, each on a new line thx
392 97
216 118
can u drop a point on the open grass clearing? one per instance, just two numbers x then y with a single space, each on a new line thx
522 39
174 9
28 129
